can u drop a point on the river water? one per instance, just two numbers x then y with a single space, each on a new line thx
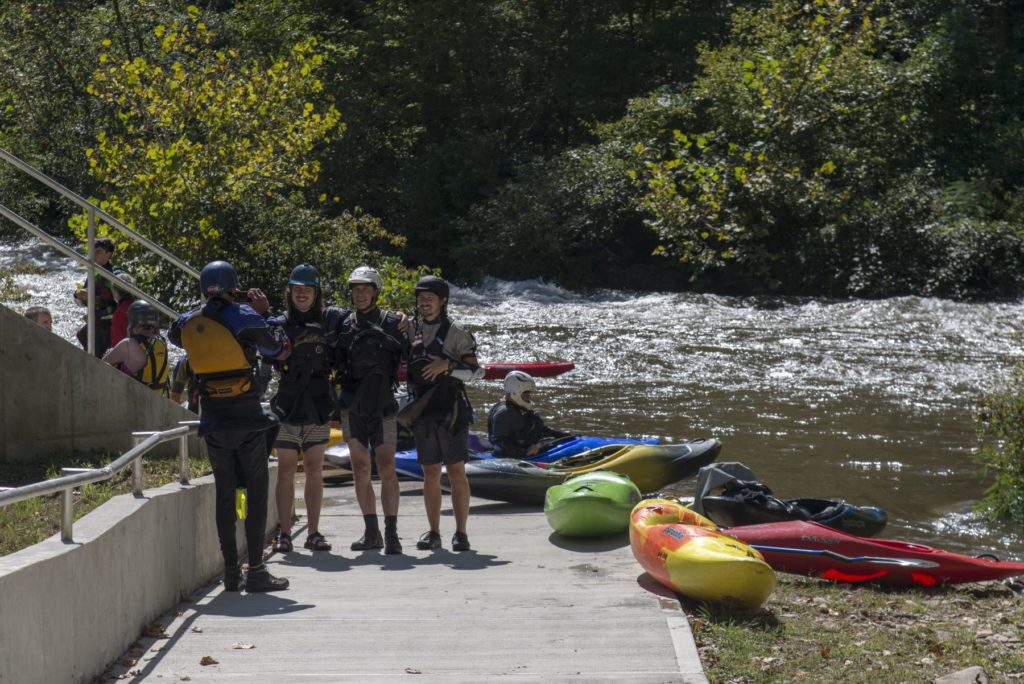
869 400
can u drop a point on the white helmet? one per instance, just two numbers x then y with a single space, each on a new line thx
517 382
366 275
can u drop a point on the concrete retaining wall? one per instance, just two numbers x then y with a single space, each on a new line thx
56 398
68 610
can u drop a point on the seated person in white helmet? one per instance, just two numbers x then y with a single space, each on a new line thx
513 427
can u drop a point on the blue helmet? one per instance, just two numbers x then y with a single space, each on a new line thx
305 274
217 278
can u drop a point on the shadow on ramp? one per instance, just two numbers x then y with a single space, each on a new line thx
591 545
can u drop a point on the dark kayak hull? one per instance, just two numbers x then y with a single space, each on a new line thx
807 548
509 480
648 466
407 465
731 511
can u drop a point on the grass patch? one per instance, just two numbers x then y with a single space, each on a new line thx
29 522
816 631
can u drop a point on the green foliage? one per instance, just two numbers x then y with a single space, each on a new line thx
1000 427
198 139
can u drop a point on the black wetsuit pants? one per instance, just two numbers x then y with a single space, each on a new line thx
239 459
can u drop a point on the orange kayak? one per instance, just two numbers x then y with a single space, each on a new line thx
685 552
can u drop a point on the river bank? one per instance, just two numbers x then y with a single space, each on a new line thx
816 631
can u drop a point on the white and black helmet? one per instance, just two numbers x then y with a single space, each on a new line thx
517 382
366 275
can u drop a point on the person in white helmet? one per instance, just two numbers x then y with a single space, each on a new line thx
370 347
513 427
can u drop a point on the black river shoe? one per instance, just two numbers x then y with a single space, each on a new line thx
460 542
260 579
429 541
370 540
233 579
392 546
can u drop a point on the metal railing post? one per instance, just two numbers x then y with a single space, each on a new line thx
138 477
67 517
90 284
183 459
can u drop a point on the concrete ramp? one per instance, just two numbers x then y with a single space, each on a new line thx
523 606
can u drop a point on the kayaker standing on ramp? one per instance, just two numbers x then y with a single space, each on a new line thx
442 358
304 403
513 427
369 350
223 339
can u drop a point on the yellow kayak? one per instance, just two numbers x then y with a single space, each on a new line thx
685 552
649 466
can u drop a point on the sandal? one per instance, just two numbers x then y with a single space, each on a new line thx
283 543
317 542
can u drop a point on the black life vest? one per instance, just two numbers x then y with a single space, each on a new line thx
155 373
448 401
304 391
370 352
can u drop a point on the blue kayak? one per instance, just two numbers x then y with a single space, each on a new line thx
406 463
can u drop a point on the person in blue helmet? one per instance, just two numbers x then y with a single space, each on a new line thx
371 343
304 402
223 339
442 358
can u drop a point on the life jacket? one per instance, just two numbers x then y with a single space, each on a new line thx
217 358
155 373
305 374
371 352
448 401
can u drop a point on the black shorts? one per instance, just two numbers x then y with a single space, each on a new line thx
370 431
435 445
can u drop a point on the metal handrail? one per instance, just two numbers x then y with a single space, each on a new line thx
104 216
92 212
68 252
78 477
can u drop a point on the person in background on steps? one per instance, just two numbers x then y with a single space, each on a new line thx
119 319
41 316
441 359
143 354
513 427
371 344
223 339
103 250
304 403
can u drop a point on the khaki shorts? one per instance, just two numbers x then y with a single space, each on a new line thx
370 431
302 437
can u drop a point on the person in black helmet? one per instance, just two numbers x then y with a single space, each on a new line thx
223 340
513 427
143 353
371 344
304 402
442 357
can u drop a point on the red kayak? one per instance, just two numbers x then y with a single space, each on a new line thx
497 371
807 548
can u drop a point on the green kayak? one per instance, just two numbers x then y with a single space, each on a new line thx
594 504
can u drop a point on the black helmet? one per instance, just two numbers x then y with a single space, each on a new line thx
142 314
217 278
431 283
305 274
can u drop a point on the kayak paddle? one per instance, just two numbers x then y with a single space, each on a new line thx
902 562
